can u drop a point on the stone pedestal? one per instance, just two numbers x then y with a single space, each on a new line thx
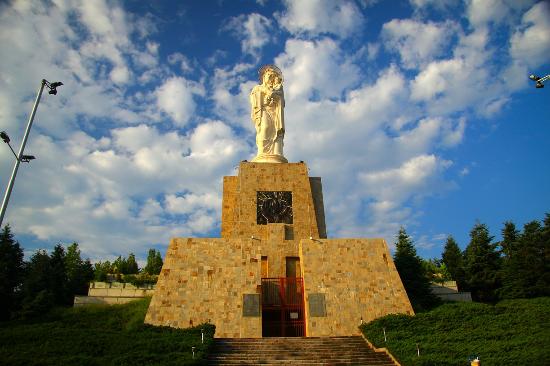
269 158
219 280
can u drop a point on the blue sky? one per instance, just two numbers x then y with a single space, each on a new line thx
415 113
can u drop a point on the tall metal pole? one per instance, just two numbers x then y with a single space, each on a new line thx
21 150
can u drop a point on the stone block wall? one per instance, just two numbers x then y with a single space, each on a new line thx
239 199
357 279
204 280
208 280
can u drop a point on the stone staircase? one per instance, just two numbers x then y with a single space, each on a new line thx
296 351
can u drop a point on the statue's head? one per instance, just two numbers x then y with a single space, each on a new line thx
271 76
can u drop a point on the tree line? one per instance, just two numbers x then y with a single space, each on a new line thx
30 288
518 266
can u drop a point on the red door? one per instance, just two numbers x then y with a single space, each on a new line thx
283 307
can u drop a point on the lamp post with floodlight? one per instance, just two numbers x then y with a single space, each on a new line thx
539 81
20 157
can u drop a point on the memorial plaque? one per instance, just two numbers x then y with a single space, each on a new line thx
251 304
317 305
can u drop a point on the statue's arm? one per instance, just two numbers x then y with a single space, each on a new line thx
255 106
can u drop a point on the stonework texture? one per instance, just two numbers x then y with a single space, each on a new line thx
359 281
205 280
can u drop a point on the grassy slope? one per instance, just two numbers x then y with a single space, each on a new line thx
100 335
515 332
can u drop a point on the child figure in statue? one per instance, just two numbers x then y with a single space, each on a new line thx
267 112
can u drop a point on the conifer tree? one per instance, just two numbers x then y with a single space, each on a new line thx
38 296
154 262
79 272
526 268
58 277
11 273
482 264
509 238
131 265
453 258
101 270
412 273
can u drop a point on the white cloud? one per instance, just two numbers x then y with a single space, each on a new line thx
185 63
318 69
254 30
417 42
393 186
189 203
313 17
175 97
122 169
437 4
481 12
530 43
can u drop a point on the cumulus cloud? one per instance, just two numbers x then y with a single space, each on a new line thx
316 69
417 42
134 147
314 17
254 30
530 43
392 186
482 12
175 98
437 4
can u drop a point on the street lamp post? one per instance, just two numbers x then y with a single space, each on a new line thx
20 157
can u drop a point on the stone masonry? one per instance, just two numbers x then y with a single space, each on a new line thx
219 279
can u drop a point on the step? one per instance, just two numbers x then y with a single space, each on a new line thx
296 351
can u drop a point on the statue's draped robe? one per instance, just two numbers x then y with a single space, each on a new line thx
268 120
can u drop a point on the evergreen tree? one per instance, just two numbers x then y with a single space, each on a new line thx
526 268
154 262
58 277
482 264
119 265
101 270
544 276
37 287
79 272
131 265
453 259
11 273
412 273
509 238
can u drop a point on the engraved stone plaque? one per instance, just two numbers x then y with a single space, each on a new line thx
317 305
274 207
251 304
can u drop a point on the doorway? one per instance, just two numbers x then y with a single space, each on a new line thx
283 312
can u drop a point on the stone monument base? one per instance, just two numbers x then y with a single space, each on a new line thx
269 158
276 278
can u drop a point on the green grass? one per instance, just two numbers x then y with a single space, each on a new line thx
515 332
100 335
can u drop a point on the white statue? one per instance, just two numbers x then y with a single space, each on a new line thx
267 112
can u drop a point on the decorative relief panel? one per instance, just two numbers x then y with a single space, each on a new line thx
274 207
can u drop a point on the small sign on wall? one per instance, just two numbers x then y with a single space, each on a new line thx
251 305
317 305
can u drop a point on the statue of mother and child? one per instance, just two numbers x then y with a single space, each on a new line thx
267 102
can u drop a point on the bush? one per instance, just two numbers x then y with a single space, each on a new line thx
101 335
508 333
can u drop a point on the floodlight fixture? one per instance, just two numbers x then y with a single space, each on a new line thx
5 137
539 81
52 86
21 157
27 158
